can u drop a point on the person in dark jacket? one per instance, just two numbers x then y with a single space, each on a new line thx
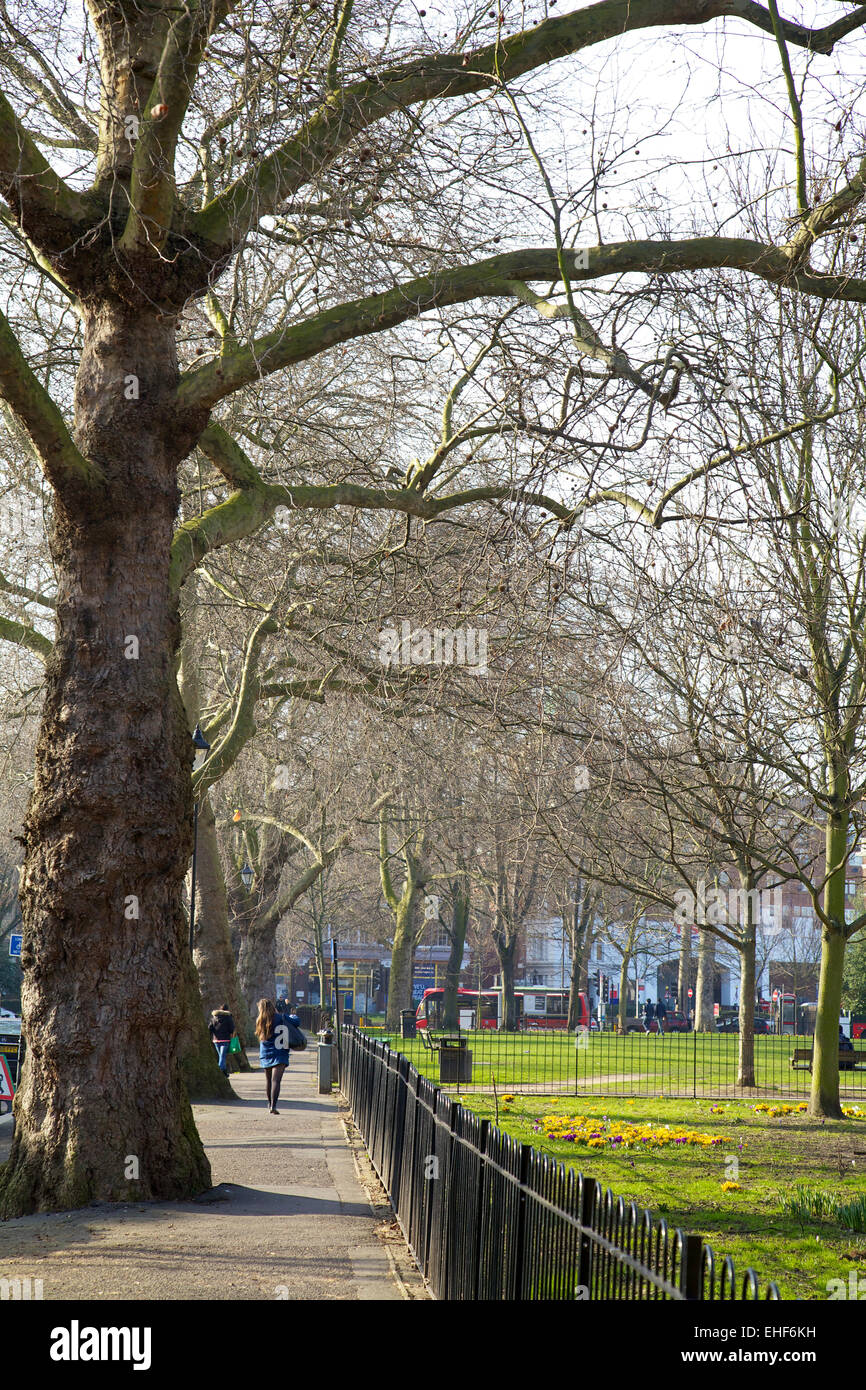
273 1035
661 1014
222 1030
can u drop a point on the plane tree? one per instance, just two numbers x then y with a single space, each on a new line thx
135 191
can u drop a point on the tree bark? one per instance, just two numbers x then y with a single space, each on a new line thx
580 943
257 964
586 958
824 1099
746 1058
748 1000
459 925
213 954
402 954
574 1010
705 983
622 1012
199 1064
684 974
108 833
505 943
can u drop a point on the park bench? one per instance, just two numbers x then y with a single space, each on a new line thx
436 1042
801 1058
455 1059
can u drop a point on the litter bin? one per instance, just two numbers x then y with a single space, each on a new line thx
455 1062
408 1024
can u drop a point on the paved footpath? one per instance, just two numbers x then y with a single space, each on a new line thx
288 1217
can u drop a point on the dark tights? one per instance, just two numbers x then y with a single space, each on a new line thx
273 1077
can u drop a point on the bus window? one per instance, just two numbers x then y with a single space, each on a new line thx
489 1010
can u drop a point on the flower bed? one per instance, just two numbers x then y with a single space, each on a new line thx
602 1133
851 1112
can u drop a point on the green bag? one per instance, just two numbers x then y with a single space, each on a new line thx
235 1044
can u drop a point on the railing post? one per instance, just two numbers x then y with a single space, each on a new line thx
483 1130
520 1229
691 1283
587 1219
450 1197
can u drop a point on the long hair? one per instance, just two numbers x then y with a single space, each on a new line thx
265 1020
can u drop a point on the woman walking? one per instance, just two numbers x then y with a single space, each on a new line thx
273 1035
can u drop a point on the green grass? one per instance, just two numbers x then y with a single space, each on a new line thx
767 1224
638 1064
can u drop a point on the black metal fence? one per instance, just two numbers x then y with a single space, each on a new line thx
489 1218
684 1065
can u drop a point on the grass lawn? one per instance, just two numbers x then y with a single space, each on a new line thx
681 1064
683 1183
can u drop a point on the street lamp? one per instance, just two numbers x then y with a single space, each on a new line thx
247 876
201 749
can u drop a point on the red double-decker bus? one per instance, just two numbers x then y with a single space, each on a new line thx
536 1009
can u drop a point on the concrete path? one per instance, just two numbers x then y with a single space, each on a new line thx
290 1217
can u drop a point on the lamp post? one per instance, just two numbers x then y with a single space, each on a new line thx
202 748
247 876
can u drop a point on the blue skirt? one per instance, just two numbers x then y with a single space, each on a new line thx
270 1056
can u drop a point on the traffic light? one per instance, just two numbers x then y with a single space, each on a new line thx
377 978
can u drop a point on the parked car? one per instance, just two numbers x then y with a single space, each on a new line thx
732 1024
674 1023
635 1025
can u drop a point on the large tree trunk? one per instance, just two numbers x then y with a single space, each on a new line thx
214 957
257 964
459 924
506 945
746 1061
705 983
108 833
824 1100
622 1012
580 943
574 989
402 955
748 997
684 974
199 1063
